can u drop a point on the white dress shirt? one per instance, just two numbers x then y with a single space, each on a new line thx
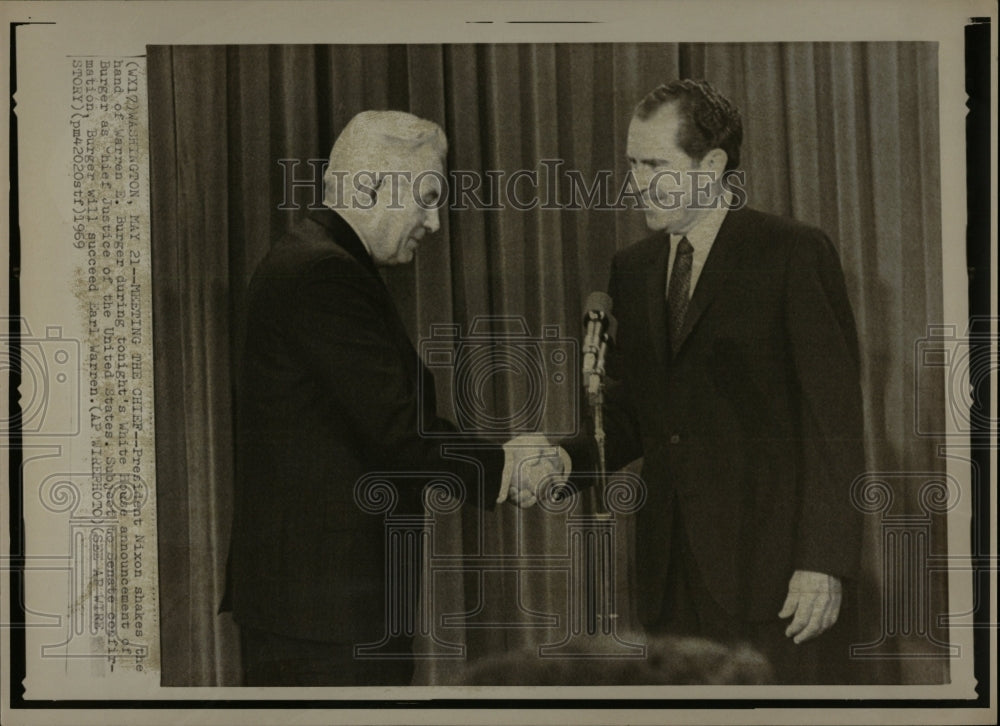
702 237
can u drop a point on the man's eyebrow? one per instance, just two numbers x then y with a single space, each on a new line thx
648 162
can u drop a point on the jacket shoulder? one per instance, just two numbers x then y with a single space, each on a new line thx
773 240
750 221
304 253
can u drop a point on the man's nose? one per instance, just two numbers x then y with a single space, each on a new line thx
642 178
432 220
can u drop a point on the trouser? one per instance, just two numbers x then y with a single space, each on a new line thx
690 609
275 660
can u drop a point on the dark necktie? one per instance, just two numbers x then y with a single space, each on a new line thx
679 291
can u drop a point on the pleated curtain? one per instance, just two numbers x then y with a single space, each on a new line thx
843 136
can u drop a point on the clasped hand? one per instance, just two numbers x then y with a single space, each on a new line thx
530 462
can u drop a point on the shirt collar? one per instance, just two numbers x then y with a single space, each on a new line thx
704 232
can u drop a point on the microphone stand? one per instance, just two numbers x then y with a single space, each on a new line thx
600 605
595 391
599 437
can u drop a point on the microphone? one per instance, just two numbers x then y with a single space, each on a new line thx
600 328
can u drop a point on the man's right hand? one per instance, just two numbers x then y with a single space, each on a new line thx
814 599
531 461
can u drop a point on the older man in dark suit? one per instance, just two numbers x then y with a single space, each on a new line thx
330 394
738 382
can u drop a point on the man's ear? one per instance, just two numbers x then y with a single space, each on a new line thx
715 160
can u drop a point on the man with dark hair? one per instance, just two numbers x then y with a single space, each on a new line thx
738 382
710 120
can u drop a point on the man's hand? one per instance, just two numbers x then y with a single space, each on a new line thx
531 460
814 599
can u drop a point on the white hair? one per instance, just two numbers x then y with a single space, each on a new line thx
381 141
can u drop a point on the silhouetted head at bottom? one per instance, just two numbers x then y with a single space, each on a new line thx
668 661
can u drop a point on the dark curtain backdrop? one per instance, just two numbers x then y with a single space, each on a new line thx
840 135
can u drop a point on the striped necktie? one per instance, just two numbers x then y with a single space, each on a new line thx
679 291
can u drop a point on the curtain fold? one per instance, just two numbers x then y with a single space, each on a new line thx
840 135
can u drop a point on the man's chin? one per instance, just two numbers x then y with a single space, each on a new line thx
656 222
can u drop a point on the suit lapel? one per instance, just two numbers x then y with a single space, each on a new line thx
721 261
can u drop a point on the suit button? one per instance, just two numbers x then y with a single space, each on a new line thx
675 438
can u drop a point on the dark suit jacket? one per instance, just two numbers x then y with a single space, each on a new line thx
753 426
328 394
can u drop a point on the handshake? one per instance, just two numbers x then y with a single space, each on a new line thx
533 469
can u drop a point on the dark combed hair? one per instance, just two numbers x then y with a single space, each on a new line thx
710 121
